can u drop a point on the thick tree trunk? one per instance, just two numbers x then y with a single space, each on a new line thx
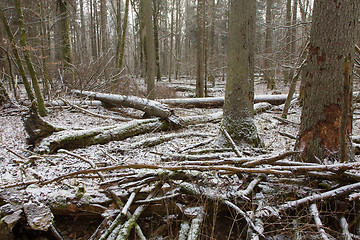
239 93
332 41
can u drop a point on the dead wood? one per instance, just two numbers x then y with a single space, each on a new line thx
102 135
314 211
95 114
214 102
275 211
211 195
36 127
150 107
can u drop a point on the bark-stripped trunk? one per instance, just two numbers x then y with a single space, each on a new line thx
332 41
239 93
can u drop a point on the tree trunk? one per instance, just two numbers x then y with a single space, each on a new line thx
34 79
150 49
239 93
123 40
268 65
4 97
83 37
21 68
92 29
103 15
171 39
156 39
65 33
200 71
332 40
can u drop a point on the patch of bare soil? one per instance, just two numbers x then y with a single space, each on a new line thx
193 189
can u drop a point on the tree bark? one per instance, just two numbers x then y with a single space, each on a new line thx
34 79
123 40
332 40
65 33
21 68
268 65
239 93
150 49
200 55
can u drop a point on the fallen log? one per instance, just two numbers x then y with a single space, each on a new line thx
81 138
71 139
150 107
214 102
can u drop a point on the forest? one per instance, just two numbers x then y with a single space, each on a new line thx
179 119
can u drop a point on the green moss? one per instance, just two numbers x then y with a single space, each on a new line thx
242 130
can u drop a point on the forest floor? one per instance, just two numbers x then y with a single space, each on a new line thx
18 165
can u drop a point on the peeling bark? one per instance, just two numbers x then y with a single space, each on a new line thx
332 40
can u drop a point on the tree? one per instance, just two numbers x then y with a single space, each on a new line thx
65 33
200 51
268 65
19 63
150 48
30 66
327 81
239 93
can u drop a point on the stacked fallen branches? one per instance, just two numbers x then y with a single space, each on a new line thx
189 199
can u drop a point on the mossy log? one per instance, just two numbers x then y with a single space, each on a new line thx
101 135
71 139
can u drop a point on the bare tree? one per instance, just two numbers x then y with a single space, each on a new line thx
238 107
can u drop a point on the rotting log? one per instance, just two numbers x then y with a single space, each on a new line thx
101 135
71 139
214 102
150 107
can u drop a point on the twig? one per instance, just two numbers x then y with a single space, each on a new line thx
196 145
287 135
286 121
231 141
314 211
269 160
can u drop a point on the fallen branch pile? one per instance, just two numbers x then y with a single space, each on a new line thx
266 195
